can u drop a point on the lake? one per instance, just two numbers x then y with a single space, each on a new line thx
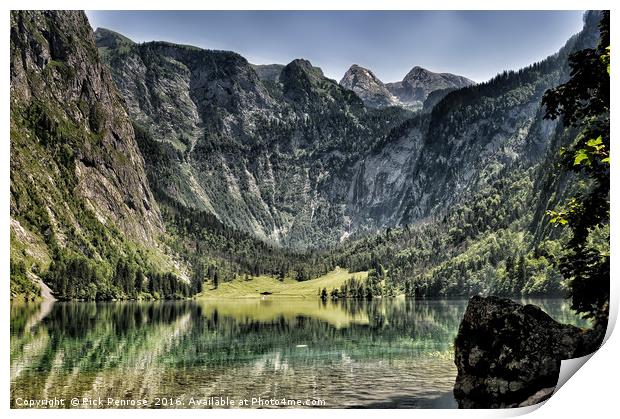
238 353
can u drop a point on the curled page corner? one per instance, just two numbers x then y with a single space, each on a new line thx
569 367
521 411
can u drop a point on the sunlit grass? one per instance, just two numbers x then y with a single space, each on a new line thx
252 288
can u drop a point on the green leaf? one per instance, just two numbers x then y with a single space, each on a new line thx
580 156
596 143
605 58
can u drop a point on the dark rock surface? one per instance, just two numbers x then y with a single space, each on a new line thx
268 72
509 355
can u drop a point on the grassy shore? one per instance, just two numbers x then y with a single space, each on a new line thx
252 288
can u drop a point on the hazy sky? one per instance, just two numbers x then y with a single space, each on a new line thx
475 44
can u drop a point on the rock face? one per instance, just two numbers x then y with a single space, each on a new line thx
419 82
106 38
266 72
509 355
72 141
80 197
299 160
278 158
368 87
410 93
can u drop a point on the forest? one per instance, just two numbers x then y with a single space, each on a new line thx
528 225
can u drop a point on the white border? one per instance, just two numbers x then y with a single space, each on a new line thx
592 394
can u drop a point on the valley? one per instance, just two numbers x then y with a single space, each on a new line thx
174 168
186 224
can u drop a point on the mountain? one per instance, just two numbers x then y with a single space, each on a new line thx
78 183
410 93
419 82
480 129
273 159
301 162
145 168
368 87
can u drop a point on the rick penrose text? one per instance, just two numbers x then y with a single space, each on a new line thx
173 402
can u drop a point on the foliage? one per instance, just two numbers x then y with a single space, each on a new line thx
21 285
583 103
488 240
89 260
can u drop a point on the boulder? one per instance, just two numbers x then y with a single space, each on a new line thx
509 355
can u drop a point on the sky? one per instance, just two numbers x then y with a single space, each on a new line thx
474 44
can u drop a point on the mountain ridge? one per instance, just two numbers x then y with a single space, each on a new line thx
209 161
419 82
383 183
410 92
286 123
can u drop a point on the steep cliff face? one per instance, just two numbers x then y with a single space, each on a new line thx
57 81
368 87
273 158
77 175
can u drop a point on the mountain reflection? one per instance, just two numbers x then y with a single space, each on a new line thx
349 353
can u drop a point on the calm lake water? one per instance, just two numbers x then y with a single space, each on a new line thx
384 353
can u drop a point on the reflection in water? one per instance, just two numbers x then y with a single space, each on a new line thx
386 353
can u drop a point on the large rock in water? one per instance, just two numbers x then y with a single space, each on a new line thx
508 354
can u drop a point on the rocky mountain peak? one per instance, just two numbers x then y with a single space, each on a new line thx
411 92
300 79
357 72
421 76
420 82
417 73
368 87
